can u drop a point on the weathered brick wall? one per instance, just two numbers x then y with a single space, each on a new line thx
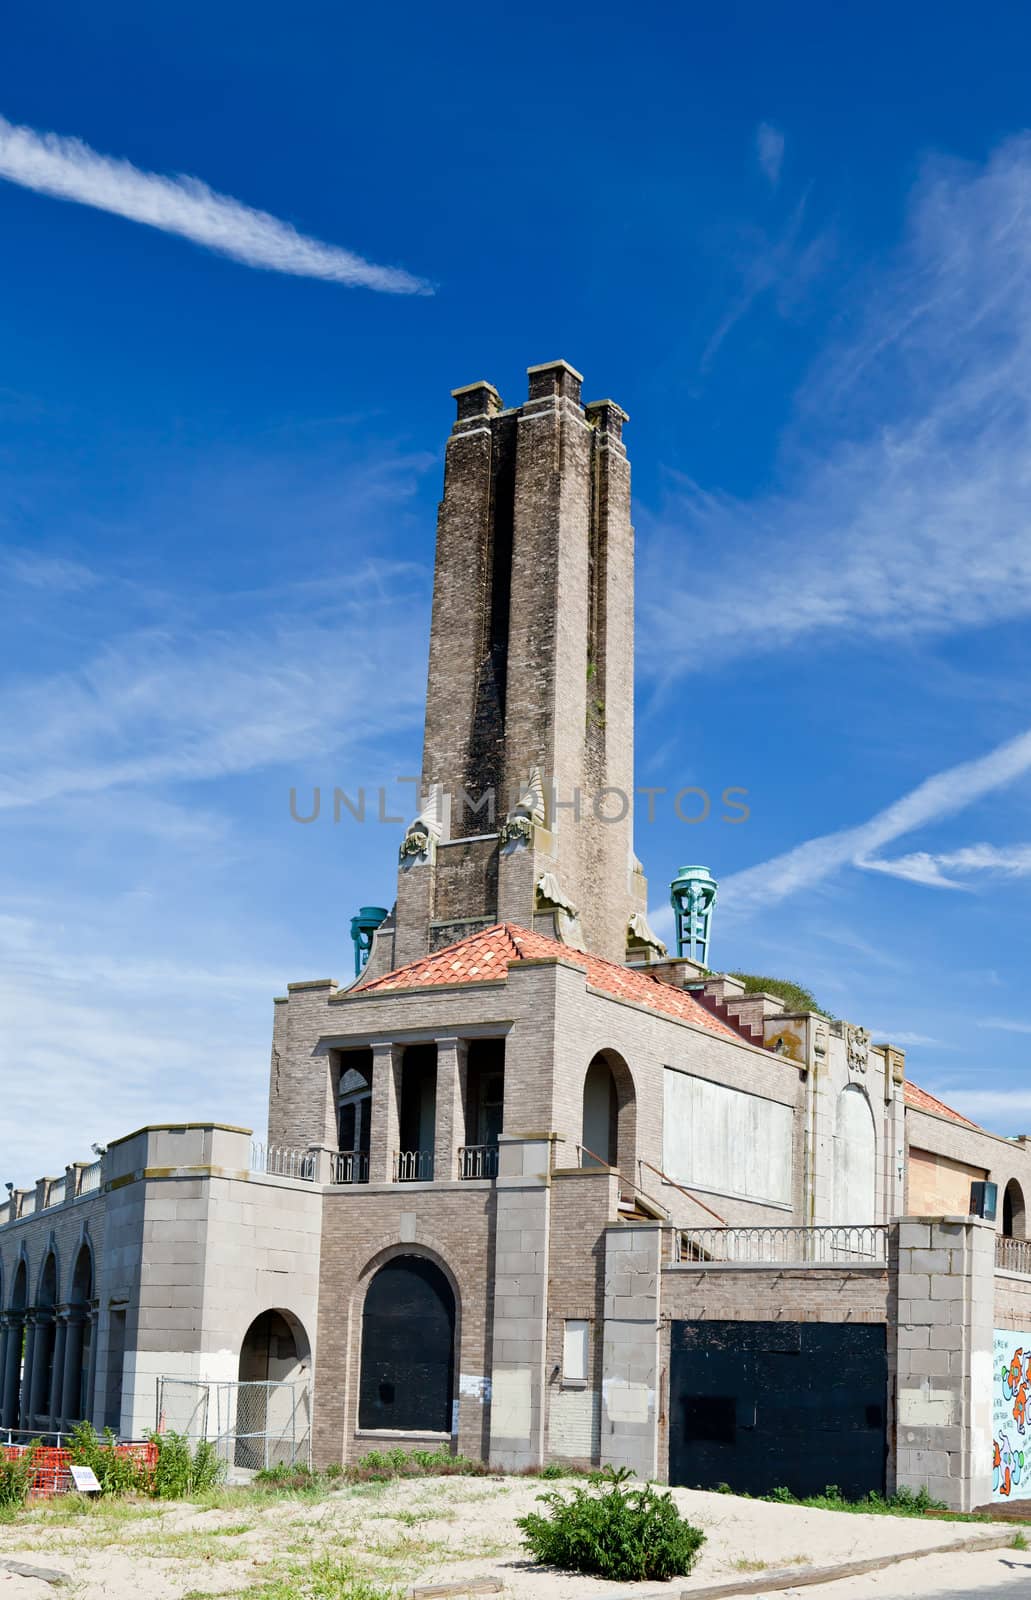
1001 1158
1012 1300
363 1228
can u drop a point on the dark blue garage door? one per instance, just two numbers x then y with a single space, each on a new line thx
763 1405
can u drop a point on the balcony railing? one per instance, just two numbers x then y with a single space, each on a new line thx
90 1178
56 1192
413 1166
1013 1255
350 1166
478 1161
841 1245
28 1205
279 1161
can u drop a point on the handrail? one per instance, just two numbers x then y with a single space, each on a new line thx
586 1151
835 1244
685 1192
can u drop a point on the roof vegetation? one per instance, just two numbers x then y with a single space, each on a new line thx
793 995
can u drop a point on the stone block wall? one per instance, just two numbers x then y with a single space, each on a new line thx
945 1308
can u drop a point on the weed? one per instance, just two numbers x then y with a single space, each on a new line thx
613 1531
1019 1542
182 1471
16 1478
903 1503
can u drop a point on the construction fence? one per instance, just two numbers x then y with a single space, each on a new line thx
253 1425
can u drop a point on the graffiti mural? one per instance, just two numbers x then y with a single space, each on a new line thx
1011 1388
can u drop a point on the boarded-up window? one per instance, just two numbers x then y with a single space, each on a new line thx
726 1140
574 1351
938 1186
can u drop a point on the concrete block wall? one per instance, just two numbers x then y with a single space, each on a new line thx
630 1362
945 1309
519 1331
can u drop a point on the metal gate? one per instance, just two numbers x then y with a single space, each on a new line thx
252 1425
763 1405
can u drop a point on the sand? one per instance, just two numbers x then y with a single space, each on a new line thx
440 1530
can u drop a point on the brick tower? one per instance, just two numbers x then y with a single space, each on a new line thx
526 811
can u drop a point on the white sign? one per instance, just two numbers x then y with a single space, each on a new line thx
85 1480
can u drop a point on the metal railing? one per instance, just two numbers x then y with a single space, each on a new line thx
838 1245
279 1161
90 1178
1013 1255
413 1166
350 1166
478 1161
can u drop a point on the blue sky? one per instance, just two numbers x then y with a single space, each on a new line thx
794 245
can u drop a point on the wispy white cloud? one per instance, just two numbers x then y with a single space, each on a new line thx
769 150
942 795
899 501
931 870
55 574
1007 1026
68 169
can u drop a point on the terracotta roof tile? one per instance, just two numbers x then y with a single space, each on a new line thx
920 1100
486 955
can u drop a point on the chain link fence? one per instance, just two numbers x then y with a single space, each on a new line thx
252 1425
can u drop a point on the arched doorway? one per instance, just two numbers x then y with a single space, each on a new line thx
272 1403
854 1178
1014 1224
609 1114
408 1349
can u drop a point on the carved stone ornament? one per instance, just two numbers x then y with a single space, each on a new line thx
426 828
857 1046
639 933
526 814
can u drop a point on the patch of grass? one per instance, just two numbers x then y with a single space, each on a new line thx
1019 1542
613 1531
325 1579
903 1503
742 1564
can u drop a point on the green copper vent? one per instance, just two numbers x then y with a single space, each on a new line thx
693 895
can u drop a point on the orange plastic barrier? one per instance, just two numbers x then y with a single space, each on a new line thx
50 1474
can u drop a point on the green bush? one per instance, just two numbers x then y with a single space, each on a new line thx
16 1478
182 1471
613 1532
116 1474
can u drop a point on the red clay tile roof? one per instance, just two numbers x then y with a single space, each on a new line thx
487 954
920 1100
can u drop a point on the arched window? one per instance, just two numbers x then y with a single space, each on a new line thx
1014 1225
854 1178
408 1349
609 1114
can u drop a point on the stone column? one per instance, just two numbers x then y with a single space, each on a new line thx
56 1396
25 1396
517 1412
449 1123
72 1367
39 1390
946 1289
630 1360
9 1373
386 1108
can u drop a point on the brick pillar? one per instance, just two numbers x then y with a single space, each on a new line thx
630 1360
449 1122
518 1347
70 1377
386 1107
25 1398
9 1372
946 1287
56 1396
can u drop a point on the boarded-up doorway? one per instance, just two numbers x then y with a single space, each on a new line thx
766 1405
